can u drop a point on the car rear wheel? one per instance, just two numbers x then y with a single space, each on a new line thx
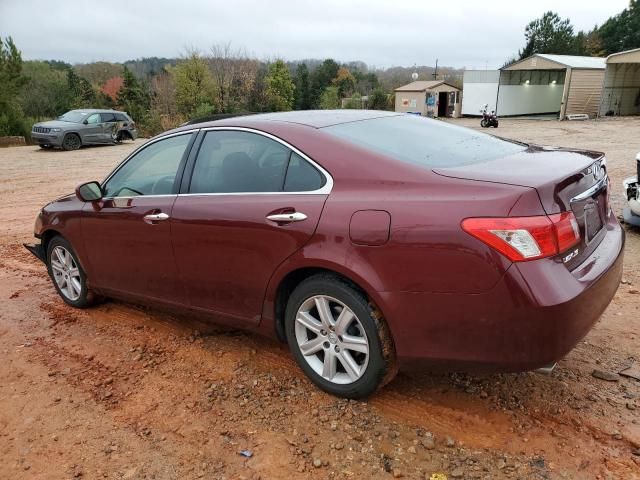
71 142
67 275
338 338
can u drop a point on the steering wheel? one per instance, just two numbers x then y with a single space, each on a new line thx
160 186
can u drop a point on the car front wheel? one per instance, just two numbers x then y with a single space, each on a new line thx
68 277
71 142
338 338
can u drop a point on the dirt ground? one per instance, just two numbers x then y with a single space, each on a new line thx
123 392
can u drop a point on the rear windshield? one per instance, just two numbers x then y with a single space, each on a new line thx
423 141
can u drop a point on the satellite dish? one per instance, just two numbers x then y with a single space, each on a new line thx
414 75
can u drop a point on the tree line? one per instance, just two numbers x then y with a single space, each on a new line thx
162 93
553 34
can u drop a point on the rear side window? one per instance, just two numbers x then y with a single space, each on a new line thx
107 117
121 117
302 176
236 162
423 141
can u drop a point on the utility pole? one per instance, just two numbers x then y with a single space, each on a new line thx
435 72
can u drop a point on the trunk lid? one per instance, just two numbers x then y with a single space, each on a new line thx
565 179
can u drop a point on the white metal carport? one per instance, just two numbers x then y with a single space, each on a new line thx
551 84
621 93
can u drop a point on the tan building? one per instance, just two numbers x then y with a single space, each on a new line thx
551 84
621 93
434 98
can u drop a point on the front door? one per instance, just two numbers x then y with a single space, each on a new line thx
252 202
128 234
443 103
92 131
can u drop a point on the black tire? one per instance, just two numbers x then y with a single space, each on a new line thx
71 141
86 297
495 124
483 123
381 365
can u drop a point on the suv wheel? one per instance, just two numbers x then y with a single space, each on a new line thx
337 338
71 142
68 277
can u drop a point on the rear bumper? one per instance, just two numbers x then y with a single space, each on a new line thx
537 313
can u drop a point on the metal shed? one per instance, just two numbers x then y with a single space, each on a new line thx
480 87
434 98
621 93
551 84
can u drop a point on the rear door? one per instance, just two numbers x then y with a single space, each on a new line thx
251 202
128 233
109 127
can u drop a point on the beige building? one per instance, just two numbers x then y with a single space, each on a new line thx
552 84
621 93
434 98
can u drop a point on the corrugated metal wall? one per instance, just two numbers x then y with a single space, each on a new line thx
585 91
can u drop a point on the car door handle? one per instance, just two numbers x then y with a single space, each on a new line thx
155 217
287 217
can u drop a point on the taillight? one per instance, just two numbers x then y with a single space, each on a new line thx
526 238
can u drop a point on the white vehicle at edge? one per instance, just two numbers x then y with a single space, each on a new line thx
631 212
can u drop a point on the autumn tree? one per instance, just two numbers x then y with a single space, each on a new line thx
279 88
234 74
345 82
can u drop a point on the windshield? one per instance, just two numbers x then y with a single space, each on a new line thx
425 142
74 116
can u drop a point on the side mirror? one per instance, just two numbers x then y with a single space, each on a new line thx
89 192
85 121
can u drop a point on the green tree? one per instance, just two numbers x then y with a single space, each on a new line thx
133 97
345 82
279 87
321 78
329 99
46 93
354 102
549 34
621 32
11 83
378 100
194 85
303 89
81 92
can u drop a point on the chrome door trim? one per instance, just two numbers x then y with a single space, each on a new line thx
287 217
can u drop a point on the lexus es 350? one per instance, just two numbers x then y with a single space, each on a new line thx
366 240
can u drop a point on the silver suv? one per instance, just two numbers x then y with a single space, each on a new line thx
84 127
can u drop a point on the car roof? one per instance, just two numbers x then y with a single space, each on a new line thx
97 110
310 118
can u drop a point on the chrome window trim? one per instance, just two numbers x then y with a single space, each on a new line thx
591 191
324 190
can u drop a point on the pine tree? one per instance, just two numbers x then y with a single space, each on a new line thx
303 92
132 96
279 87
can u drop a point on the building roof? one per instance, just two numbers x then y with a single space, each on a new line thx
570 61
619 57
423 85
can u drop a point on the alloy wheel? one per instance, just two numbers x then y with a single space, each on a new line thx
331 339
66 273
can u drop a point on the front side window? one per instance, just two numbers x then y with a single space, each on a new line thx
151 171
236 162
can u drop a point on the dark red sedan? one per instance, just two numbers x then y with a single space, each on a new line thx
366 240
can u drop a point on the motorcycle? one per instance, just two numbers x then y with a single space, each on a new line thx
489 119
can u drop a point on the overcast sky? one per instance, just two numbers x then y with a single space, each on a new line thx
381 33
